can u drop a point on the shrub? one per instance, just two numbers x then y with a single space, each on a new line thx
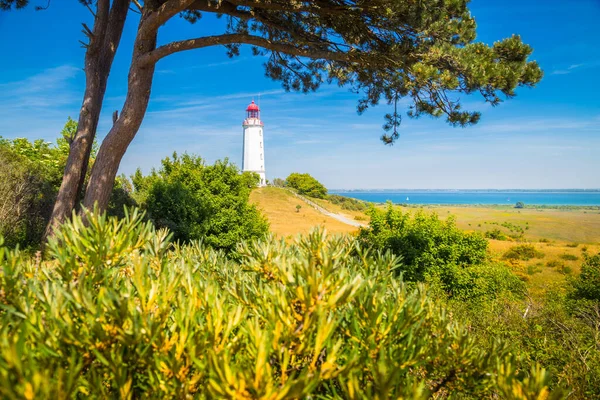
520 204
306 185
522 252
554 264
348 203
587 284
422 240
483 282
30 175
496 234
119 312
569 257
533 269
566 270
198 201
572 245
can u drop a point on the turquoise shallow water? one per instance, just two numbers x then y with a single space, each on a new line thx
468 197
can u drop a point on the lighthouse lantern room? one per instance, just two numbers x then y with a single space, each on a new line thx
253 158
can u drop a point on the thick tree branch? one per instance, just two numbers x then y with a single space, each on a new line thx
155 18
241 38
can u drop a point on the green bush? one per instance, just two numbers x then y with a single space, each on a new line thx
482 282
554 264
587 284
306 185
348 203
496 234
569 257
522 252
118 312
548 331
198 201
422 240
30 175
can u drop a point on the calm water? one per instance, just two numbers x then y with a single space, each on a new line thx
458 197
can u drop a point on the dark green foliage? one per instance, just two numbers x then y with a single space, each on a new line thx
520 204
424 242
569 257
522 252
514 231
121 197
554 264
572 245
306 185
388 50
482 282
587 284
198 201
496 234
30 175
549 331
119 312
17 4
348 203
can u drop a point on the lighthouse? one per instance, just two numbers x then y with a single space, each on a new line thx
253 158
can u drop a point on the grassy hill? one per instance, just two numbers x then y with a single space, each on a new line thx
279 206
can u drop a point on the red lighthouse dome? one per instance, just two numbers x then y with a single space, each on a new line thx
253 110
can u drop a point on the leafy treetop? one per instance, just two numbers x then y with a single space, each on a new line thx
307 185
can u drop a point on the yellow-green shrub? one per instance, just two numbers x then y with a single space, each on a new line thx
117 311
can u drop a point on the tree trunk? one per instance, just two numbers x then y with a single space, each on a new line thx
105 39
127 125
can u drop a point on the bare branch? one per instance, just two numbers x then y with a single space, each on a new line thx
87 31
90 10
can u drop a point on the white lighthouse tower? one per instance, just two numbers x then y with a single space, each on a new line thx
254 150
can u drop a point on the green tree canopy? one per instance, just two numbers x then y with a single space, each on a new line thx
198 201
307 185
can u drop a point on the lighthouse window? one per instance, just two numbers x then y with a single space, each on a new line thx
261 156
260 132
261 145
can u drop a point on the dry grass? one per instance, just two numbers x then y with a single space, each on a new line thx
560 230
579 226
279 206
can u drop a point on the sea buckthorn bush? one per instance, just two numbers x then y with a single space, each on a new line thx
118 311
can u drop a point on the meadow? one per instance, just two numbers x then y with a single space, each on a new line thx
561 236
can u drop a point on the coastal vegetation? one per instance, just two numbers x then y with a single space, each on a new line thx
191 281
117 310
196 201
461 300
306 185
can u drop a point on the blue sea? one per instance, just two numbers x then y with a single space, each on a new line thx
562 198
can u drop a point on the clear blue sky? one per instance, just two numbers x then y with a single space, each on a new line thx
548 137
